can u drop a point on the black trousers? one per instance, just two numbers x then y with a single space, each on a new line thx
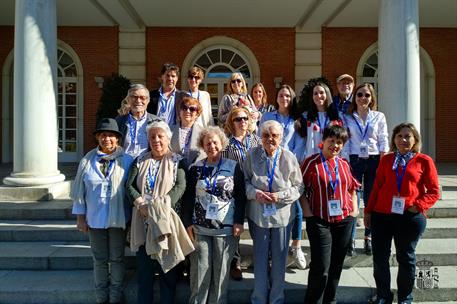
329 243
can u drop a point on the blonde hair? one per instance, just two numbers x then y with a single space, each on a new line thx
236 75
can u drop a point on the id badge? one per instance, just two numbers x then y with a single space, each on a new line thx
269 210
212 211
398 205
334 208
363 149
105 189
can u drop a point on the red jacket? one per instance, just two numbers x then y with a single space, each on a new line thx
420 186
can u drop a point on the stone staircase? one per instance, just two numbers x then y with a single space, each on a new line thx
44 259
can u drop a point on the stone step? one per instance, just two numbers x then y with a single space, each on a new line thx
65 230
436 228
441 252
50 256
48 210
67 287
77 255
60 209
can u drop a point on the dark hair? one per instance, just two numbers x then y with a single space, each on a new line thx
330 108
293 99
373 104
417 137
169 67
336 131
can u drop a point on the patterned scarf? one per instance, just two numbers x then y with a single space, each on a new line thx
402 160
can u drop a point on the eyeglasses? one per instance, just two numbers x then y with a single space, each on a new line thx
191 109
138 97
194 77
236 81
268 135
361 95
241 118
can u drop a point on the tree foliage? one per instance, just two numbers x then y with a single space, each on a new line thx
115 88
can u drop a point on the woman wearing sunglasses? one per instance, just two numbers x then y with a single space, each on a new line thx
241 141
237 96
186 132
367 143
195 77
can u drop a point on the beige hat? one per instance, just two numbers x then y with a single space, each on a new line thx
344 76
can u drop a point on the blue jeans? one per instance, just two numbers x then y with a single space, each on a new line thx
269 287
107 246
146 268
328 243
406 230
297 223
364 169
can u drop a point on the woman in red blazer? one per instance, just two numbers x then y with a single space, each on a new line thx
406 186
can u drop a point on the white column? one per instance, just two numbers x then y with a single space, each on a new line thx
35 85
399 63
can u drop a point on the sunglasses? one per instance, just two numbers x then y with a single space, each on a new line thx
189 108
134 97
236 81
361 95
239 119
194 77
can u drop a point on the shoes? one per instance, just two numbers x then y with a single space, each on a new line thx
367 247
380 301
298 258
351 249
235 271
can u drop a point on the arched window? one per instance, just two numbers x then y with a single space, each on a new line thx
218 63
69 110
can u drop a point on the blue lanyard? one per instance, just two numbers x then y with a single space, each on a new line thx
241 148
284 125
187 143
198 94
207 180
165 103
110 166
363 133
271 174
400 177
152 178
332 183
132 129
321 128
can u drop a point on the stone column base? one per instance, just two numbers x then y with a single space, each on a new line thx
24 180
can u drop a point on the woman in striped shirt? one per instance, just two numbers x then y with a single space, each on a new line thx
329 206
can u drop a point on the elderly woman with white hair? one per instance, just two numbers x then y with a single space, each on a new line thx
213 211
156 183
273 183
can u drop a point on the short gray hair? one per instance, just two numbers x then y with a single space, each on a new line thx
209 131
269 124
136 87
159 124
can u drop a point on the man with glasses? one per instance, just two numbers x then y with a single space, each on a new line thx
165 101
133 125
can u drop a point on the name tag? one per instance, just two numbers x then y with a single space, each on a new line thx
105 189
334 208
269 210
398 205
363 150
212 211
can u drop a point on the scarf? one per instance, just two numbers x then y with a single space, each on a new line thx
116 216
402 160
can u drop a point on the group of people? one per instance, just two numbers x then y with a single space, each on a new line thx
173 184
